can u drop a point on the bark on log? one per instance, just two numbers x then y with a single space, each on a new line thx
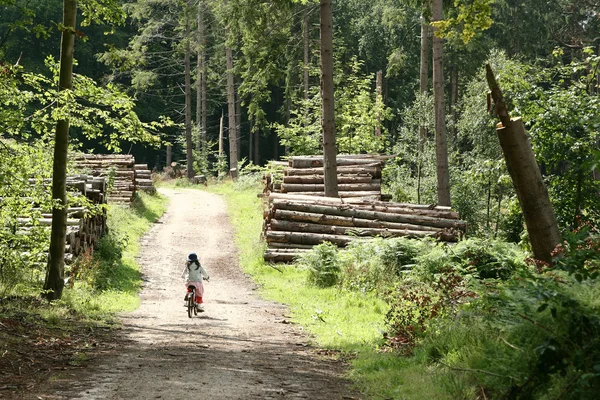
306 162
279 225
307 238
345 187
372 169
323 219
279 257
397 208
359 201
290 246
374 194
344 211
318 179
288 250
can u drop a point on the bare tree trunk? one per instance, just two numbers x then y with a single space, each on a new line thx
378 100
424 66
453 96
221 135
233 153
328 122
188 96
238 118
257 147
527 179
169 155
251 145
441 146
201 78
54 284
305 25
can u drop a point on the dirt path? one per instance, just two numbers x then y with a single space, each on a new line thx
240 348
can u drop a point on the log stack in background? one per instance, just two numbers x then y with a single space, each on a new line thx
143 178
294 223
359 176
128 176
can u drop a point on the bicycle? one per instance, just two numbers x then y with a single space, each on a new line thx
191 301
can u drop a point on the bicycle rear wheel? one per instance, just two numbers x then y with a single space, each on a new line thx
191 305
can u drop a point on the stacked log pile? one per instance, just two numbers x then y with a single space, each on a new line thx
128 176
143 178
120 166
83 229
295 223
359 176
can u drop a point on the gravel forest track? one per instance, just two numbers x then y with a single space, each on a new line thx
242 347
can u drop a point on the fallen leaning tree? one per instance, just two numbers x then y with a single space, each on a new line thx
295 223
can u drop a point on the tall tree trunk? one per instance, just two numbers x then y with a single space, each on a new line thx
327 90
424 66
306 66
423 88
201 78
188 96
54 284
526 176
238 118
221 135
441 146
454 97
379 100
256 148
251 144
204 80
169 155
233 141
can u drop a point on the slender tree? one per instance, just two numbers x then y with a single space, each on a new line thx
188 93
201 85
424 64
54 283
441 146
233 141
327 90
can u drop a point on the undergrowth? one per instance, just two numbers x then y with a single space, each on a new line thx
425 320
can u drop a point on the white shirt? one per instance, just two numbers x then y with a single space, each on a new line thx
194 272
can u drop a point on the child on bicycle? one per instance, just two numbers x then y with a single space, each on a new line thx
194 273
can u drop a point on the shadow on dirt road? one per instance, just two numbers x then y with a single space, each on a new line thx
240 348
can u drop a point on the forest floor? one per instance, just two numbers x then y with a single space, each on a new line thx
241 347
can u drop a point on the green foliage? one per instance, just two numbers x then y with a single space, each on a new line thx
416 304
488 259
579 254
470 16
411 176
565 127
322 264
23 244
433 280
357 114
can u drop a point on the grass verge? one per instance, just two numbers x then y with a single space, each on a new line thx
346 321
